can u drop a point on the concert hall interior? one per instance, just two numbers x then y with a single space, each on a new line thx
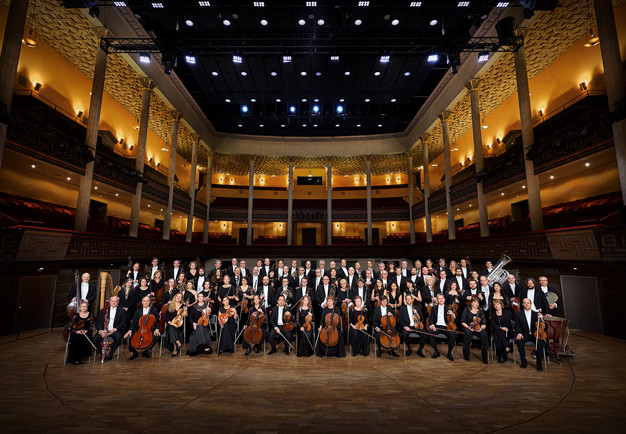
383 150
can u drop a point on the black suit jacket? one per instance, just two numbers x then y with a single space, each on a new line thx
521 326
170 273
467 272
298 294
270 295
463 280
91 294
248 273
366 295
312 281
540 300
394 278
118 322
320 295
446 285
134 325
506 289
426 297
405 321
435 311
262 271
230 270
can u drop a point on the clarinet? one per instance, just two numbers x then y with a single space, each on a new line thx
106 327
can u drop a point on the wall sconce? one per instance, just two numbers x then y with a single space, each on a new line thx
232 180
158 164
130 147
489 146
388 180
79 114
221 180
121 142
540 112
393 225
38 86
150 159
337 226
469 159
398 179
461 163
583 85
280 225
498 140
434 165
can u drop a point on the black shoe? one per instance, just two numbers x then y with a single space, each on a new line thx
379 354
287 351
393 353
523 365
421 354
109 356
501 360
247 351
450 357
486 361
272 351
134 356
539 368
505 358
354 354
466 358
77 362
146 354
256 350
409 351
435 355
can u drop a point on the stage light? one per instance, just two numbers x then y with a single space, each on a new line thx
190 59
415 4
214 74
303 73
273 73
204 3
384 58
264 22
301 22
244 109
237 59
463 4
320 22
407 73
432 58
157 5
226 23
286 59
364 3
292 109
334 58
316 109
189 23
582 85
395 22
144 57
502 5
119 4
358 22
433 22
347 73
377 73
483 57
339 109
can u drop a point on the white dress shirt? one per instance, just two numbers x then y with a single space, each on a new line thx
84 290
409 309
441 316
531 295
266 290
528 314
459 281
280 316
154 270
486 290
112 313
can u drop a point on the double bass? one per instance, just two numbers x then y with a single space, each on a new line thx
391 340
72 307
253 334
143 339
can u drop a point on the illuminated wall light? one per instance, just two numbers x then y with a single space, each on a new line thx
489 146
232 180
38 86
587 164
582 85
498 140
79 114
540 113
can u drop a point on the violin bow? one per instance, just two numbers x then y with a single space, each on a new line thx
288 343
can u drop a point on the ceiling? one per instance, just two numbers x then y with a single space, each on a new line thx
311 95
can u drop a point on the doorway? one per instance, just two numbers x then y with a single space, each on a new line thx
36 294
309 236
580 303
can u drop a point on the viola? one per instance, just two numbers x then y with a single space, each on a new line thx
392 340
253 334
180 316
223 317
73 327
144 339
162 317
307 322
475 324
329 334
540 329
288 321
245 307
206 315
429 309
515 304
345 309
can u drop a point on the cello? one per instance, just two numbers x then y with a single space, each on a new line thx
144 338
329 335
253 334
392 340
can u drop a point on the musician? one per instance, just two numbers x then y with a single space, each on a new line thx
502 329
217 279
156 283
80 329
334 280
198 281
308 271
351 278
466 269
169 291
377 292
497 294
418 267
316 280
321 294
408 316
453 266
174 331
394 296
474 323
359 340
525 327
266 293
360 290
154 267
444 282
265 269
134 274
235 279
227 320
306 337
379 313
129 300
87 290
378 273
218 266
327 317
424 279
143 288
538 301
256 307
413 291
454 296
290 278
226 290
192 273
547 290
230 270
181 283
342 271
343 293
429 293
369 267
429 266
243 271
287 291
414 277
302 290
399 279
384 278
357 270
246 295
255 279
210 295
175 271
511 288
439 326
442 267
112 329
460 280
293 271
299 276
488 268
145 309
473 291
368 277
391 268
200 338
277 325
404 268
280 269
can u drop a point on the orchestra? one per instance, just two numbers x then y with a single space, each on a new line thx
314 311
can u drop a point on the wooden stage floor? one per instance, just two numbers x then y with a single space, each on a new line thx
280 393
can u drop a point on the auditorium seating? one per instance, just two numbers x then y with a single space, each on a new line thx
352 240
397 239
242 203
271 240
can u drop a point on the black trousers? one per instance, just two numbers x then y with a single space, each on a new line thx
467 340
500 338
117 340
272 338
421 341
450 335
541 346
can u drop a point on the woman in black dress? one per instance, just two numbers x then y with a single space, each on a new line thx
345 304
414 291
474 323
174 332
502 328
190 294
80 347
498 294
200 338
227 320
129 300
192 272
338 350
358 340
394 298
246 294
157 283
144 290
210 295
453 296
256 307
305 338
226 290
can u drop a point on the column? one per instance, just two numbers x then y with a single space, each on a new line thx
614 79
528 139
11 46
479 161
368 179
425 163
91 137
329 204
209 175
290 206
250 202
448 173
141 154
192 188
409 171
167 221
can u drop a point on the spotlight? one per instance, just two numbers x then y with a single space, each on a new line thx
286 58
432 58
316 109
226 23
292 109
395 22
384 58
339 109
190 59
244 109
237 58
320 22
120 4
483 57
144 57
334 59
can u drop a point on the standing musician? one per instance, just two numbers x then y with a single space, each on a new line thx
429 294
145 309
192 273
439 326
156 283
246 295
394 298
511 288
80 329
305 317
414 291
144 289
154 267
547 290
256 306
302 290
218 266
189 294
525 326
266 293
181 282
210 296
244 272
502 329
379 313
474 323
116 316
169 291
360 290
175 271
338 350
134 274
408 316
286 291
359 328
174 332
498 294
87 290
538 301
199 280
321 294
459 279
227 319
277 325
129 300
226 290
200 338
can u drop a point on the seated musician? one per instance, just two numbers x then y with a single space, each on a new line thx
256 306
174 331
190 293
328 313
408 315
438 325
474 323
80 345
359 339
210 296
144 288
306 337
227 320
113 329
145 309
380 312
87 291
200 338
277 325
502 329
525 327
472 291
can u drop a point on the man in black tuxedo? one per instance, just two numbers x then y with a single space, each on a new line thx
302 290
438 325
361 290
369 265
525 321
308 271
442 266
322 268
265 269
511 287
230 270
351 278
218 266
297 281
134 274
379 313
408 314
488 268
321 293
543 285
414 277
245 272
423 278
266 292
399 279
175 271
465 269
460 280
316 280
277 326
342 271
381 268
114 327
444 282
538 301
87 290
145 309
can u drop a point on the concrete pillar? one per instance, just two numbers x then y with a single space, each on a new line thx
614 80
209 175
528 140
409 171
368 179
91 137
250 203
9 58
329 204
167 221
448 173
141 154
290 206
479 161
425 163
192 188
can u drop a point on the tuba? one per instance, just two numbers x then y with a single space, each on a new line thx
499 274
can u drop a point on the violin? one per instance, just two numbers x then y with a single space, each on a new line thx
360 321
392 340
253 334
515 304
144 339
307 322
475 324
540 329
180 316
429 309
416 321
206 315
288 321
329 334
223 317
245 306
73 327
451 318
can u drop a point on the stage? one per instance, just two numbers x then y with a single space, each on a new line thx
280 393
